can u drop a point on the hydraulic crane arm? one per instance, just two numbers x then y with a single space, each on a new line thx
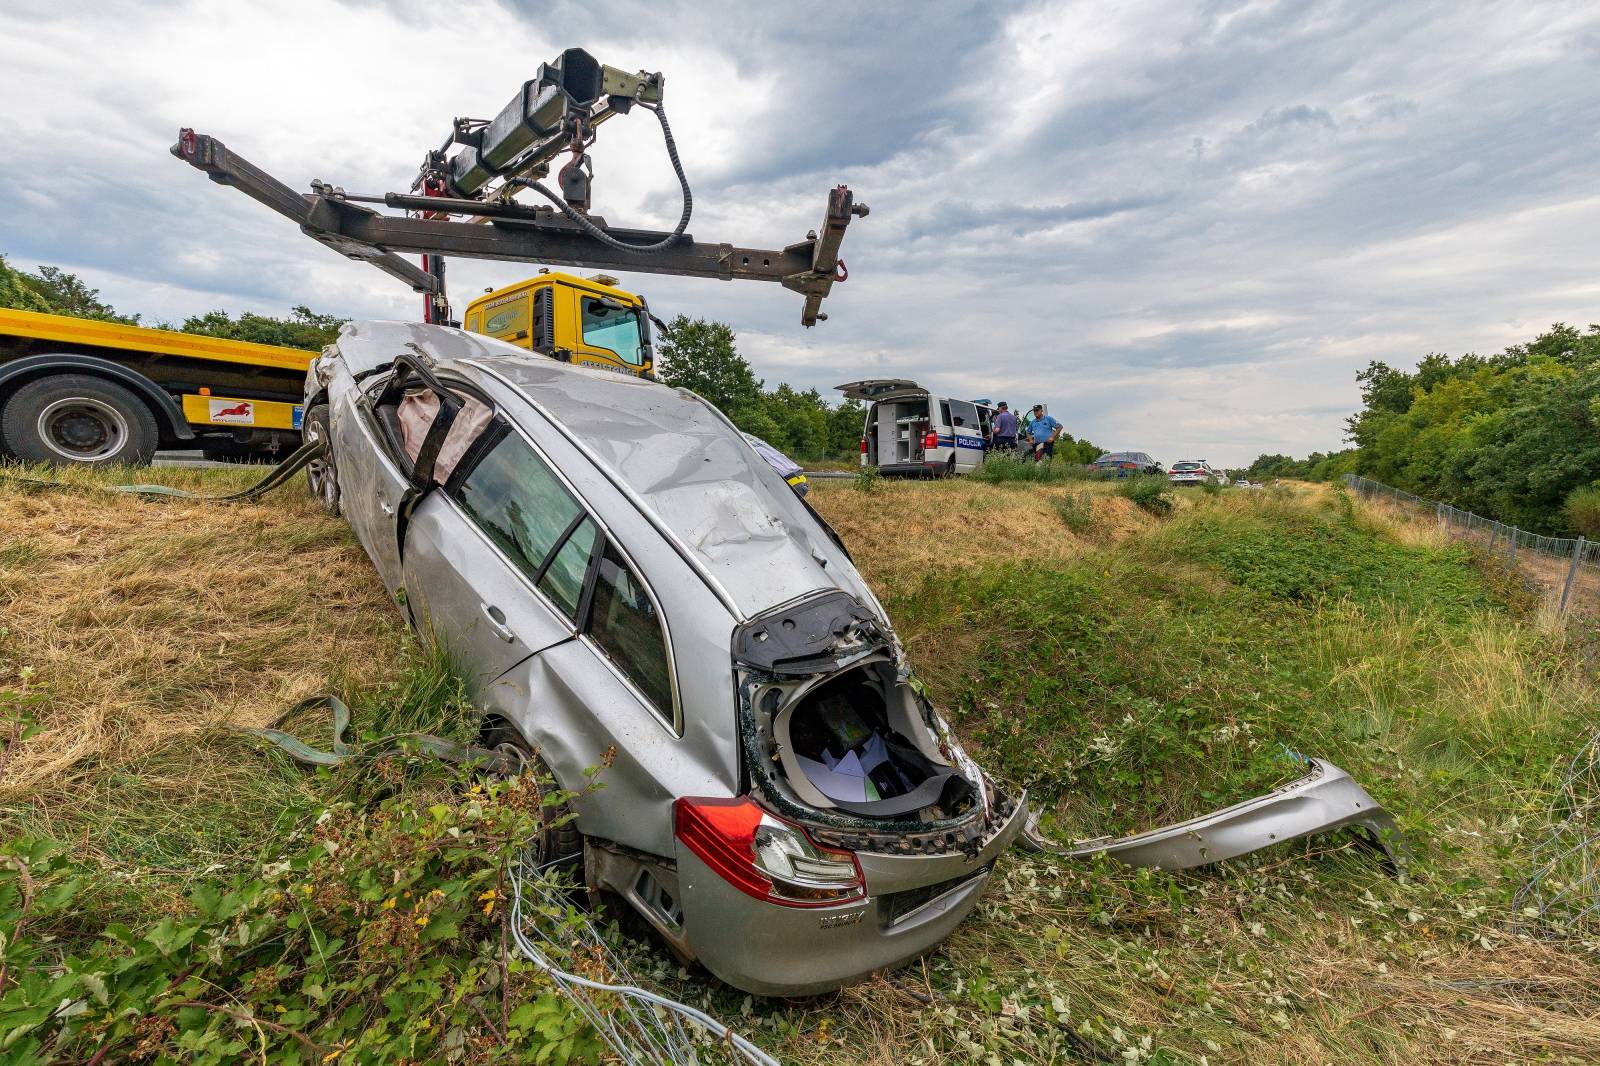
511 231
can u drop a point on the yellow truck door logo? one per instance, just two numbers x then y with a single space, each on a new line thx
242 412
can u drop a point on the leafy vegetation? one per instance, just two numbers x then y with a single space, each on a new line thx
54 291
1151 492
702 356
1510 436
304 328
1164 667
57 292
1582 511
1002 469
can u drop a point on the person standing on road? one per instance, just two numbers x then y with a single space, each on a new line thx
1003 434
1043 430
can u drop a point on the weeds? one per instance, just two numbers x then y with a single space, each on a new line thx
868 481
1076 511
1000 468
1150 492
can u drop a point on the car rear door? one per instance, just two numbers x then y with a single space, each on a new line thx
496 559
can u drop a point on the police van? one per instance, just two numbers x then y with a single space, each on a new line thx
910 431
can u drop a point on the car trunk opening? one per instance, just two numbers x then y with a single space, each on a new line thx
838 748
899 430
837 733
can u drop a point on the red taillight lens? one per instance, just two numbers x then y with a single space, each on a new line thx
863 446
763 856
930 440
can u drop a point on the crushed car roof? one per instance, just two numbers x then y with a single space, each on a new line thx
682 462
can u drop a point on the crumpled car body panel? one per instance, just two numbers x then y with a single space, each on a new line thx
1324 799
717 541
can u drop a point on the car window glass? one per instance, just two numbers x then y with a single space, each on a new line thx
624 623
518 503
966 412
944 414
612 328
563 578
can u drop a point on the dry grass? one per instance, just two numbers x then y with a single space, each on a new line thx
905 530
147 622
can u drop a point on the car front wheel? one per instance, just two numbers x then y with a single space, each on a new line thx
321 472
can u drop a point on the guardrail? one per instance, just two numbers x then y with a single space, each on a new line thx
1566 570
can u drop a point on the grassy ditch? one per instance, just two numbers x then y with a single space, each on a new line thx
1125 667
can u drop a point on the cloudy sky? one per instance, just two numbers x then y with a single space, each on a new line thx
1185 226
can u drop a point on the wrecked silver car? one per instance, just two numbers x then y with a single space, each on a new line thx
624 582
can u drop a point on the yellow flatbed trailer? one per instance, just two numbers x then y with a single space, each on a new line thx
77 390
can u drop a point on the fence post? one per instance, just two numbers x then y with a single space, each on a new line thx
1512 561
1572 572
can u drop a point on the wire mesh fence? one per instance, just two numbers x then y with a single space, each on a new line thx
1565 570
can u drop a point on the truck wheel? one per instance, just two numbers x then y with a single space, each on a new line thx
555 844
76 418
321 472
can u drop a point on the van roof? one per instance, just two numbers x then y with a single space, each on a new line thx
687 468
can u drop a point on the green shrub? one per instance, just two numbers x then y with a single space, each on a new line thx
1152 492
1210 488
1582 510
868 481
1000 468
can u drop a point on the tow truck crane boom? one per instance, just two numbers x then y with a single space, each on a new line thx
557 111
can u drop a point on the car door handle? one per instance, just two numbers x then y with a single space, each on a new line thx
383 505
497 622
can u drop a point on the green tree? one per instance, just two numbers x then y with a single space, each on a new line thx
304 328
701 356
54 291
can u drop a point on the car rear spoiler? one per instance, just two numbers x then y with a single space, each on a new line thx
1324 799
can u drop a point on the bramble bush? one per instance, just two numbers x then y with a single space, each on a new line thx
379 935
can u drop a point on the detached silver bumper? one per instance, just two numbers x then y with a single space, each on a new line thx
1325 799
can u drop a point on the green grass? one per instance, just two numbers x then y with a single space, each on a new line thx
1152 677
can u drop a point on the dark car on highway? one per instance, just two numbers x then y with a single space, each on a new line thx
1125 464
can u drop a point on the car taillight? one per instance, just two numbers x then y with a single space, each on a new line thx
930 440
763 856
863 446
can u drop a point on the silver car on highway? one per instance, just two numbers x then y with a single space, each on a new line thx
624 582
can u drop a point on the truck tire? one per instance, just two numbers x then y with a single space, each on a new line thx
321 473
78 418
555 844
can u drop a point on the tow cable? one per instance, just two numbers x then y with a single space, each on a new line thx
296 461
393 744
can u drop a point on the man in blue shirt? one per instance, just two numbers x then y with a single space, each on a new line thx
1004 430
1044 430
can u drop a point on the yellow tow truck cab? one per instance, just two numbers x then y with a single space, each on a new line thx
584 321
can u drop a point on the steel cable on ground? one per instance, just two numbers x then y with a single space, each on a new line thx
637 1031
578 219
1563 895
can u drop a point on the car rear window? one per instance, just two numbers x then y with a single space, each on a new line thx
624 623
520 505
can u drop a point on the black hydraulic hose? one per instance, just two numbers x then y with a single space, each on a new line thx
601 235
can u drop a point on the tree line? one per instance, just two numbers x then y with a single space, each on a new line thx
1513 436
54 291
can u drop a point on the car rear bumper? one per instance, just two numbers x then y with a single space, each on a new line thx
911 469
1324 799
914 902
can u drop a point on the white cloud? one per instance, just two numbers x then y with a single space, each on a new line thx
1185 228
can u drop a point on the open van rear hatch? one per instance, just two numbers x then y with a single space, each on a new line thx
881 389
838 735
